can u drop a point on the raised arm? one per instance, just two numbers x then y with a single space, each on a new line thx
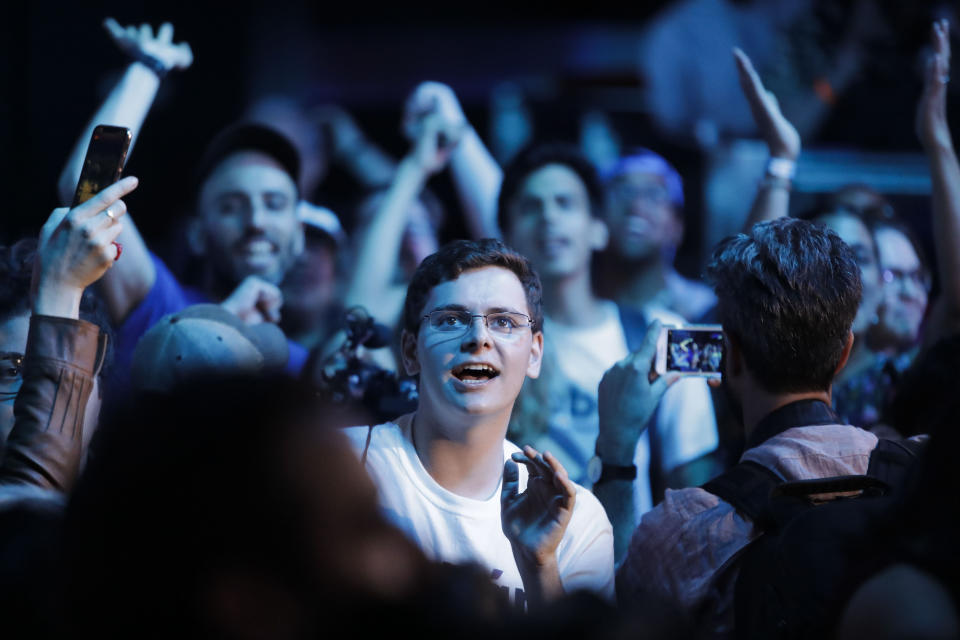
627 400
773 195
476 175
379 249
934 133
63 353
127 104
370 165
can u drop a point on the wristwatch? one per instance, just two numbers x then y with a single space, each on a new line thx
598 471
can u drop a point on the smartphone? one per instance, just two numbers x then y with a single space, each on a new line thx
691 350
104 161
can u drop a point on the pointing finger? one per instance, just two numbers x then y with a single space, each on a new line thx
107 197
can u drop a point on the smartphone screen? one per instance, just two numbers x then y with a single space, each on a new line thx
691 350
103 162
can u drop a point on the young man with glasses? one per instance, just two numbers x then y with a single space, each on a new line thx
446 475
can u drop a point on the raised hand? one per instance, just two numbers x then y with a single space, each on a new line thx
254 301
343 131
534 521
435 143
627 398
780 135
76 247
140 43
433 98
932 128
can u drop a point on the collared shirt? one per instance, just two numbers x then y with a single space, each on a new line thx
680 547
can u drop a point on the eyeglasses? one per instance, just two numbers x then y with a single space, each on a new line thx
11 374
503 324
918 277
647 193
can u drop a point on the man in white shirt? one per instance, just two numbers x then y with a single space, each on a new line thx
446 475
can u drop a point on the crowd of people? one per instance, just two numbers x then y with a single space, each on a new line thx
484 446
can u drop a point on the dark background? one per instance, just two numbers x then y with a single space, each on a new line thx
58 62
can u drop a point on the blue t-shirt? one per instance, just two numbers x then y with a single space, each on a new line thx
168 296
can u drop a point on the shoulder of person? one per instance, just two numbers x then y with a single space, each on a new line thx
365 437
680 544
816 451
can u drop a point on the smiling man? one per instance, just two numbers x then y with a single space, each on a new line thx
245 231
446 475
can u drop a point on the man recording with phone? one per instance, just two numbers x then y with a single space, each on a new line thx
788 292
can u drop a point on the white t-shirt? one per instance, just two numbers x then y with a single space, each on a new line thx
685 422
456 529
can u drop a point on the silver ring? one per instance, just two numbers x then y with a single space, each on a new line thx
110 214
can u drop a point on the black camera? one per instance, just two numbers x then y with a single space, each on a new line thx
346 378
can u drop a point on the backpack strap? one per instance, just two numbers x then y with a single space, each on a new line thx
891 459
746 486
834 484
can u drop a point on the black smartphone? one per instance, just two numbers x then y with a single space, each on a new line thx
104 161
691 350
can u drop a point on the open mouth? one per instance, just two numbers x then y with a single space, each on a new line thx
256 248
554 244
474 372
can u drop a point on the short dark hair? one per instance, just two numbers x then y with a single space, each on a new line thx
536 157
787 293
248 136
453 259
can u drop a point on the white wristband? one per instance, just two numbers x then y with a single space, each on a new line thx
781 168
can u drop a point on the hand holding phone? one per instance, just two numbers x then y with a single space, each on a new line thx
690 350
104 161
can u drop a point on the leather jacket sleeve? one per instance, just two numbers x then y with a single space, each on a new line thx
45 446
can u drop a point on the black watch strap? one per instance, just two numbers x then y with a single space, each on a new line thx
617 472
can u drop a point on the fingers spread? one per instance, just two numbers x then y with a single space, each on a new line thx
113 28
186 54
165 33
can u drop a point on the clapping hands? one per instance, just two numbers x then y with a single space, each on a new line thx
434 121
